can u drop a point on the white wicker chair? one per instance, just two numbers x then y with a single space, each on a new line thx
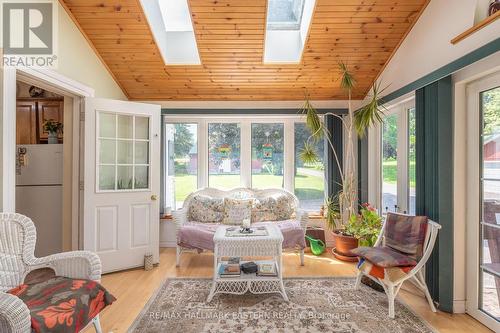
17 259
416 275
181 216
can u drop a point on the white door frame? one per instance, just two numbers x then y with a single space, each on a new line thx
473 194
57 83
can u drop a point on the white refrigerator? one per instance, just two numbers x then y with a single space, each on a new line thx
39 178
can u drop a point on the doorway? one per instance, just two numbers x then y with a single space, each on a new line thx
40 155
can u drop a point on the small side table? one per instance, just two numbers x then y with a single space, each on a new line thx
244 247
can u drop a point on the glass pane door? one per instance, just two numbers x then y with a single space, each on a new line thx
267 155
123 145
390 164
412 180
224 143
489 281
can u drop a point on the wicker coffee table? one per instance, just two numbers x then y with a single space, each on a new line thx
245 247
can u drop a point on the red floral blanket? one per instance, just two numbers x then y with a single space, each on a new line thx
62 304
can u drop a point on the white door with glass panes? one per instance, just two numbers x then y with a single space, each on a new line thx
121 182
483 201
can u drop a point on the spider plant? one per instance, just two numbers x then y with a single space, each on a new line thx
341 206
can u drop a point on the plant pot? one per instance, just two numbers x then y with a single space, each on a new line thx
52 138
343 246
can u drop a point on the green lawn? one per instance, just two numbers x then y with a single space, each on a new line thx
390 172
306 186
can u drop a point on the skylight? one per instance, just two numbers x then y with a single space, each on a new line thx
284 14
286 29
170 21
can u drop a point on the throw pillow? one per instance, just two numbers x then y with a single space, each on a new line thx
406 233
235 211
206 209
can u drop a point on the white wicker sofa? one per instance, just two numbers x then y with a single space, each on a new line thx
198 235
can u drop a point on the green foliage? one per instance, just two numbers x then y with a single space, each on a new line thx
52 126
491 111
308 154
184 140
313 122
347 81
370 114
332 209
365 226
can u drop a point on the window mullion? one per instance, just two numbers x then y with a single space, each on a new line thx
289 155
246 153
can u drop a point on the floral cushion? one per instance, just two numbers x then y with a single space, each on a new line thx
276 207
406 233
62 304
384 256
206 209
236 210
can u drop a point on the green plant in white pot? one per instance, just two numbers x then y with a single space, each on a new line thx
53 128
341 207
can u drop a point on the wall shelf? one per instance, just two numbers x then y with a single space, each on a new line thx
476 27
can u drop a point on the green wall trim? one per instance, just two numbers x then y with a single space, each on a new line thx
236 111
363 169
434 181
468 59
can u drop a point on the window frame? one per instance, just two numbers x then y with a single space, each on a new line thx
245 122
401 110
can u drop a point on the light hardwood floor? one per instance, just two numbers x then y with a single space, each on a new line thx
133 289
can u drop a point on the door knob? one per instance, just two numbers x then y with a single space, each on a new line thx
154 197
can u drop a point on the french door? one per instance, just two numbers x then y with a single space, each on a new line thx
121 184
397 159
483 228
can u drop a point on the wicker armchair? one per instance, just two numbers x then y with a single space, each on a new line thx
17 259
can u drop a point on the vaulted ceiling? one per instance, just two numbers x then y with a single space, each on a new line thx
230 38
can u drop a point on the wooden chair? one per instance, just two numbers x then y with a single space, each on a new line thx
415 275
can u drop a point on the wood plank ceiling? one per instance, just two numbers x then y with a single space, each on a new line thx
230 37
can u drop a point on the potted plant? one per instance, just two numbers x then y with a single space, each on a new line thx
342 206
53 128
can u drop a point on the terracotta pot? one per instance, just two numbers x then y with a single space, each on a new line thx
343 246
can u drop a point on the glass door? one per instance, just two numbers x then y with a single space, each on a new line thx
489 241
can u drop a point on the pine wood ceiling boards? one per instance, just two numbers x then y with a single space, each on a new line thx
230 37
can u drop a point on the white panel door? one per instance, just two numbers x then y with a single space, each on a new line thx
121 182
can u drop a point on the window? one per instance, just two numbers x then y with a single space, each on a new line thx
397 159
170 22
240 152
181 163
286 29
390 163
123 152
267 155
309 179
224 155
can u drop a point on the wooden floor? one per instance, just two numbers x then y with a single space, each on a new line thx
133 289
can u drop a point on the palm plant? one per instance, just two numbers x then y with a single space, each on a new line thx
343 204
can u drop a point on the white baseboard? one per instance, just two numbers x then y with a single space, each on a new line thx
168 244
459 306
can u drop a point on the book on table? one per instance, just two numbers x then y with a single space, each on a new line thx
267 269
229 270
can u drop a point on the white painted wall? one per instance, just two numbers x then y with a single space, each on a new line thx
78 61
427 47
